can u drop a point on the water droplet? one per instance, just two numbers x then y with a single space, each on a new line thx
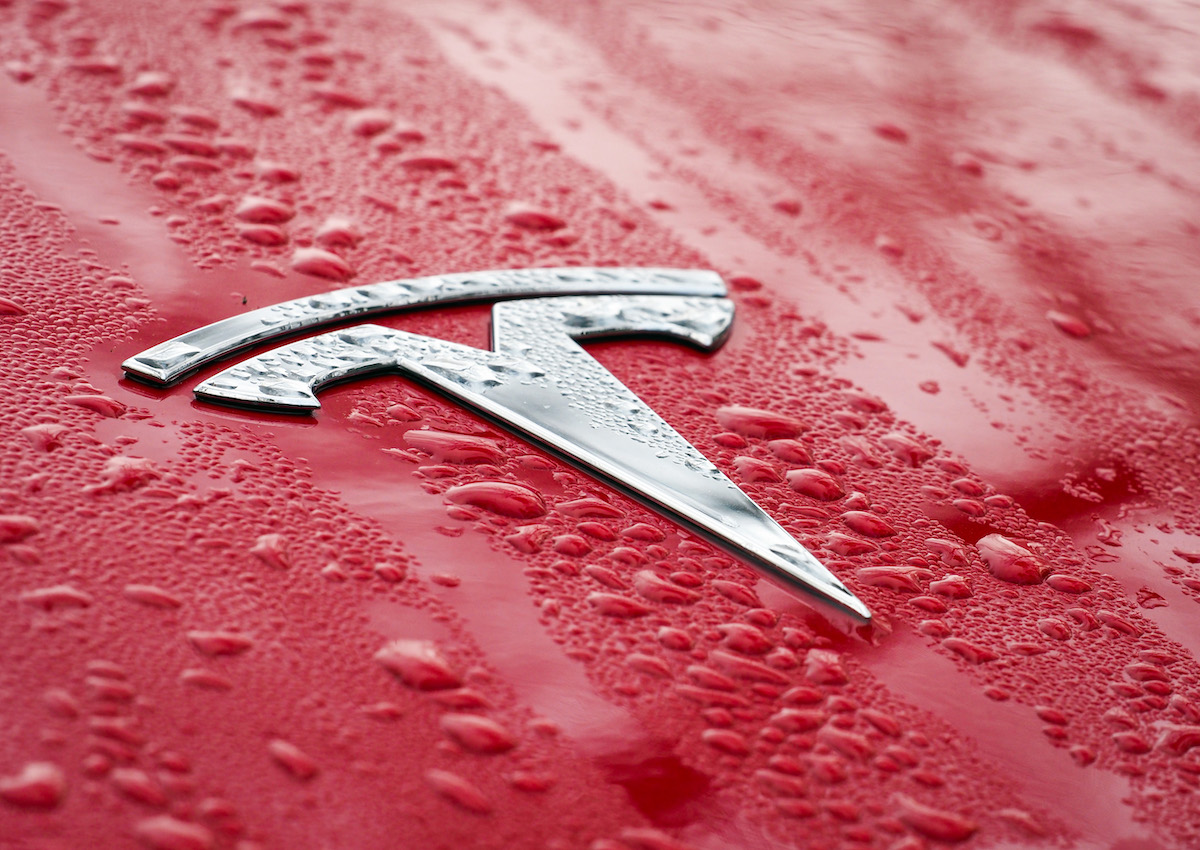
338 231
532 780
712 696
1072 326
234 147
1132 743
1049 714
729 440
333 95
271 549
885 723
192 145
122 474
891 132
167 833
606 577
140 144
402 413
271 171
973 653
709 678
1178 740
888 246
97 65
571 545
120 729
499 497
429 161
110 690
754 471
458 790
21 72
261 18
744 638
321 263
953 586
59 596
168 181
756 423
220 642
658 589
829 769
1054 628
738 593
847 546
143 113
649 665
906 448
152 84
815 483
867 524
267 235
903 579
795 720
1067 584
849 744
259 210
137 785
1147 598
368 122
726 740
1118 623
101 404
959 358
824 667
419 664
676 639
155 597
292 759
1082 755
1009 562
40 785
532 218
205 679
527 538
476 733
612 605
447 447
744 668
254 102
15 527
61 703
938 824
589 507
643 532
970 507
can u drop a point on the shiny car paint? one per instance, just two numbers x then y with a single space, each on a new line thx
962 243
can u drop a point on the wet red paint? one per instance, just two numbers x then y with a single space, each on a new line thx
962 244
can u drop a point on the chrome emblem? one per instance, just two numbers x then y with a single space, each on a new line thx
536 381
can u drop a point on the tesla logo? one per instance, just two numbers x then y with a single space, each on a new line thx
536 381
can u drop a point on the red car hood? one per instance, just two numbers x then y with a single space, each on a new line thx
962 244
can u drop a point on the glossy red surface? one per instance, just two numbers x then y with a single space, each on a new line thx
962 240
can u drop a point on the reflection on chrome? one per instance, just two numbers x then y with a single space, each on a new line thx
537 381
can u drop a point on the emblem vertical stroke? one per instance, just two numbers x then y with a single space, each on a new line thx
537 382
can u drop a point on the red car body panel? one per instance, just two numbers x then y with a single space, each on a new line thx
962 242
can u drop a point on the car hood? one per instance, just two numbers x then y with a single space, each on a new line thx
958 367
